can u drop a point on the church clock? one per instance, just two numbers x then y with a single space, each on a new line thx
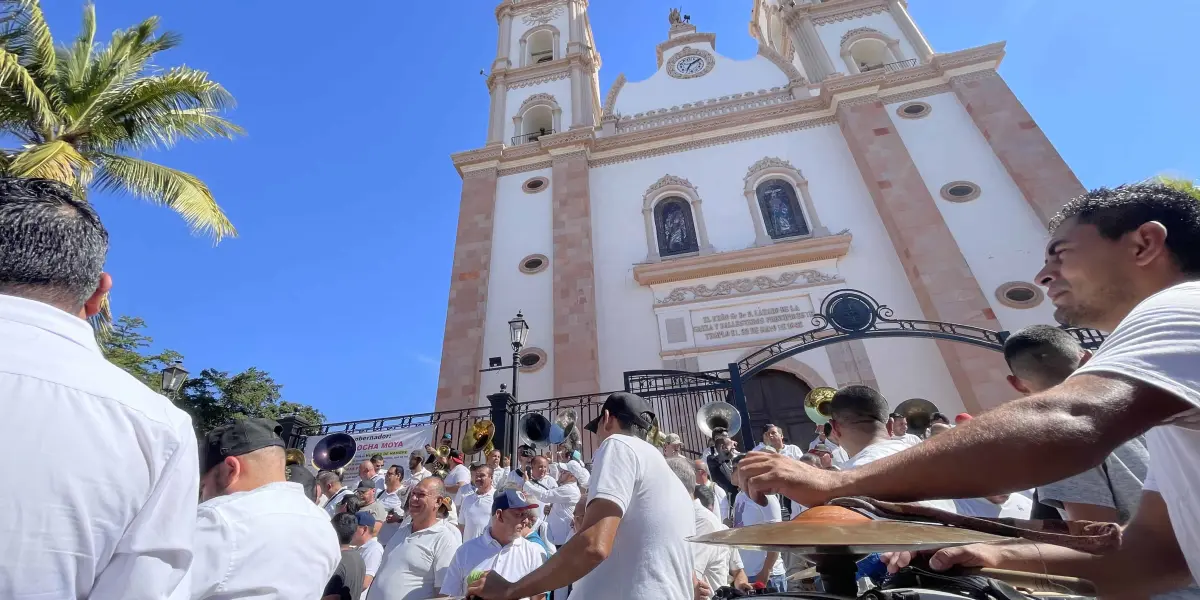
690 63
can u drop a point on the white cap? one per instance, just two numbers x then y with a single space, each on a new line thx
576 469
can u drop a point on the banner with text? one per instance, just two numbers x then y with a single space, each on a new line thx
394 445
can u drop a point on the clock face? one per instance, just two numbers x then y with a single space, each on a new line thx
691 65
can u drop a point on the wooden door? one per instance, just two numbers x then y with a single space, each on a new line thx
777 397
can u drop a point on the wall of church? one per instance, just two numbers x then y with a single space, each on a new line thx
998 233
628 329
727 77
521 26
560 89
831 36
523 226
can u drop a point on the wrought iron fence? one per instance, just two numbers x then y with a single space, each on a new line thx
517 140
676 397
899 65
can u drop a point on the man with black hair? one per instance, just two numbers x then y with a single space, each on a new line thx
347 580
772 437
898 425
1125 260
112 519
633 533
720 462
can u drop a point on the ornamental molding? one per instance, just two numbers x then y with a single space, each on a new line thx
709 63
793 74
768 162
538 80
713 107
610 101
714 141
847 14
534 166
861 32
667 180
540 98
748 285
740 261
542 16
916 94
976 76
691 38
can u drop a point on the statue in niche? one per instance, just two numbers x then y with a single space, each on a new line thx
780 214
675 227
675 17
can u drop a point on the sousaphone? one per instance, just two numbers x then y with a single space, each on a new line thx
479 438
563 430
334 451
817 404
534 428
718 414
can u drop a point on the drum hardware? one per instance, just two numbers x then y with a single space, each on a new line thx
718 414
479 439
334 451
817 404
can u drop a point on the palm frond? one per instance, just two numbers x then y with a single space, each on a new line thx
182 192
1186 186
35 45
164 130
55 160
16 77
74 61
125 57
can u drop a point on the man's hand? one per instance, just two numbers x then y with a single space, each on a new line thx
491 586
974 555
763 576
702 589
763 473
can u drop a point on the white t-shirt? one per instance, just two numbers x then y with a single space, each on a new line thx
372 555
711 562
476 514
650 554
887 448
1158 343
907 438
270 542
459 475
746 513
562 501
113 516
720 500
414 564
463 492
789 450
484 553
331 507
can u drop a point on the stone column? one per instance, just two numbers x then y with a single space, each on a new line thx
576 94
812 52
462 346
504 43
576 354
498 109
1022 147
905 22
944 285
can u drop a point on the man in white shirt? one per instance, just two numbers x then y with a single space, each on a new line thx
898 425
1123 260
459 474
499 473
773 437
392 501
762 567
502 550
633 532
476 510
417 557
562 500
368 547
721 504
713 564
537 484
331 485
111 519
368 472
257 534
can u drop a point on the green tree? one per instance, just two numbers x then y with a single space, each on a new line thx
126 346
82 112
1184 185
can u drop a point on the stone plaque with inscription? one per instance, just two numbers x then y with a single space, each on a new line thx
766 321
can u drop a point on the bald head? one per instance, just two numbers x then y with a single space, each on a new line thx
244 472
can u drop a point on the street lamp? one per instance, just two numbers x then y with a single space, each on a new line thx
173 378
518 332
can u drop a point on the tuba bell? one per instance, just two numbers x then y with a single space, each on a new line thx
534 428
718 414
817 404
295 456
334 451
479 439
563 427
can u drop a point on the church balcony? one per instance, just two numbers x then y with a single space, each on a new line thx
526 138
900 65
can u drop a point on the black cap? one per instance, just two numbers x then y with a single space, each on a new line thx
238 438
624 404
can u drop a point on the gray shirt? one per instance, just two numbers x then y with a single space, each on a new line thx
1117 483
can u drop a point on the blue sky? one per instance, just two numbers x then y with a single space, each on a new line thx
346 201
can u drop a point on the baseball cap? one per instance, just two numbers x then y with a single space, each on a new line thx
624 404
365 519
366 484
238 438
511 499
673 438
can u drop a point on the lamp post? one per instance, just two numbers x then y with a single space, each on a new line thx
173 378
518 332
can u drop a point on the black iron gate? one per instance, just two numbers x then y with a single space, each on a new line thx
676 396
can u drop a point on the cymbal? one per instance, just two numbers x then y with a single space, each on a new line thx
837 530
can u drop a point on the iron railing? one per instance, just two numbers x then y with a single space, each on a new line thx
455 422
889 67
526 138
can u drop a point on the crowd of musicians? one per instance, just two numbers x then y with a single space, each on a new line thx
121 512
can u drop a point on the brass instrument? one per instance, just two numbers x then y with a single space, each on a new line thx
918 412
718 414
334 451
443 451
479 438
564 432
295 456
817 404
534 428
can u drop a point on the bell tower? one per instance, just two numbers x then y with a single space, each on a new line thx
544 77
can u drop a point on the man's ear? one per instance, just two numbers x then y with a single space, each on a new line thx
91 307
1150 242
1018 385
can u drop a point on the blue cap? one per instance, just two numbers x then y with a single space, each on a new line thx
365 519
511 499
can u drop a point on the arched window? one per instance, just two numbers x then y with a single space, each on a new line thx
675 226
781 213
865 49
539 45
539 115
674 220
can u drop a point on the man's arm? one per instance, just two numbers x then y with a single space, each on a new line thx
1027 442
367 581
768 564
153 557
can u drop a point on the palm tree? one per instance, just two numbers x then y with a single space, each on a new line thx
82 112
1186 186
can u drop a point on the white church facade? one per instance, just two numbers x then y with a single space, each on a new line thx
689 219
